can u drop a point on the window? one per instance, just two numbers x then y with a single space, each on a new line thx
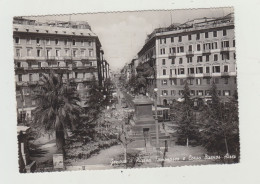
28 41
162 51
174 82
48 53
66 42
89 43
56 41
180 38
172 50
74 42
215 45
225 80
197 36
40 74
180 49
180 60
17 40
206 34
198 81
191 81
173 61
189 59
207 69
200 93
190 47
38 53
39 65
30 77
208 81
225 68
215 57
234 43
48 41
198 47
180 92
57 53
207 92
216 80
18 52
189 37
225 44
190 70
172 92
20 77
215 33
172 39
29 64
199 70
216 69
29 52
74 53
163 61
68 75
192 92
38 40
164 82
181 71
199 59
164 71
224 32
82 52
234 55
82 42
67 52
181 81
164 92
76 75
58 64
226 93
225 56
90 52
207 58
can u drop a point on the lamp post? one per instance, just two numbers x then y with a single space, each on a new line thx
156 119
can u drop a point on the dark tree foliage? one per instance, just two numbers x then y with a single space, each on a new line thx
220 130
57 107
140 81
185 118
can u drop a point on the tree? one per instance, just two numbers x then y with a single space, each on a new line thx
187 127
57 107
220 132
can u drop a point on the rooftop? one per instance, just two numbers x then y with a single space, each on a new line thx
80 28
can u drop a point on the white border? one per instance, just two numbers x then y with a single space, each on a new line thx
247 39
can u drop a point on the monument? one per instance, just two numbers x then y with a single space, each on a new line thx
144 128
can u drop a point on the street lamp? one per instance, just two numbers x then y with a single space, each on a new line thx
156 119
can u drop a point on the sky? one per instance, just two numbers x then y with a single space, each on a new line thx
122 34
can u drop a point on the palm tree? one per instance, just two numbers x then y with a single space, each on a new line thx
57 107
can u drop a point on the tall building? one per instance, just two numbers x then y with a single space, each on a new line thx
200 51
68 48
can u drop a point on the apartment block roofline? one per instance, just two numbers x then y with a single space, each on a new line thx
189 26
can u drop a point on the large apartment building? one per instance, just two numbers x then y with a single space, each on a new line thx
200 51
68 48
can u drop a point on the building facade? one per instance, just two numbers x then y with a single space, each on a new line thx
200 52
68 48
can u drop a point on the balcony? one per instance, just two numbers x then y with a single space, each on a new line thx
225 74
189 53
206 75
224 49
50 58
172 76
67 58
191 75
172 55
206 51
